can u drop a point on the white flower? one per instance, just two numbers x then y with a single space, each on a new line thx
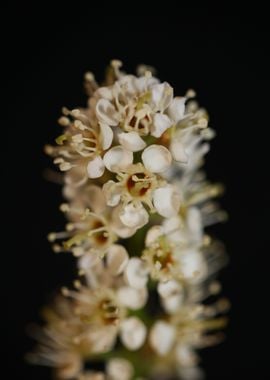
135 187
132 333
137 105
162 336
80 146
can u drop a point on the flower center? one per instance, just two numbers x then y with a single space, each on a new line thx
138 184
109 311
99 233
165 259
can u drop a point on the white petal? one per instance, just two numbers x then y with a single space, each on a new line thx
153 234
134 216
117 259
133 333
167 201
106 135
172 295
95 198
95 167
176 109
162 337
119 369
169 288
162 95
117 158
131 141
172 228
173 303
193 266
106 112
161 122
118 227
102 339
112 193
178 151
156 158
132 298
136 273
87 261
104 92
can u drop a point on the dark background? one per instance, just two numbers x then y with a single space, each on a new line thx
222 54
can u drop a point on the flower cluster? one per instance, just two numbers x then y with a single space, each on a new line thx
137 205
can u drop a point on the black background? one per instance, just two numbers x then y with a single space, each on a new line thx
222 54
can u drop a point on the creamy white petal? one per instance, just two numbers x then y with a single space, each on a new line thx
106 135
103 338
117 158
132 333
132 298
119 369
112 193
95 167
87 261
153 234
118 227
176 109
162 336
156 158
178 151
117 259
106 112
104 92
172 304
161 122
131 141
193 266
136 273
95 198
166 201
134 216
172 295
169 288
162 95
